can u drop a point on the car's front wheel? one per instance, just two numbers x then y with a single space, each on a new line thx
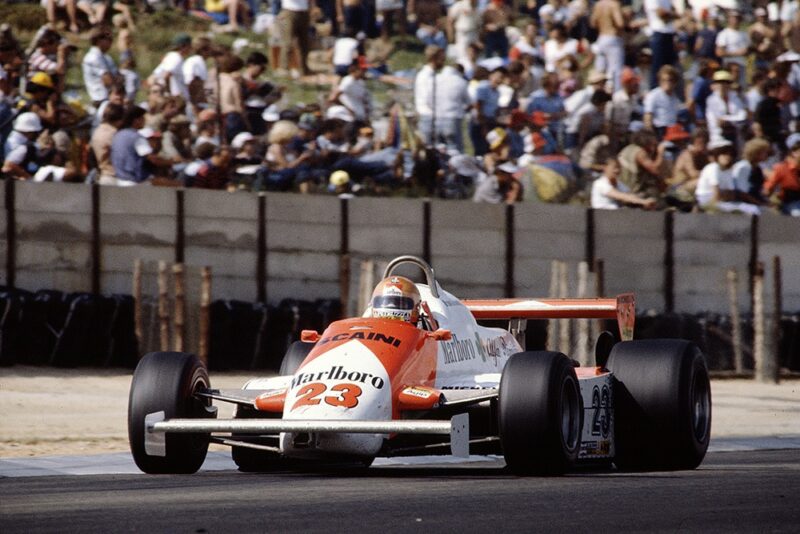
540 413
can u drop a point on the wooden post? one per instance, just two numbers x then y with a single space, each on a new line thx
205 314
137 300
763 359
736 328
179 318
564 342
366 283
777 281
582 349
163 306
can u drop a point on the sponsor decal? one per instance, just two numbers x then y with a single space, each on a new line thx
595 448
418 392
338 372
371 336
601 404
458 350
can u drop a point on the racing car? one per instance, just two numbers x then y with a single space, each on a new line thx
438 381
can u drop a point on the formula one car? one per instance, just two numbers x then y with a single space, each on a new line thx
440 384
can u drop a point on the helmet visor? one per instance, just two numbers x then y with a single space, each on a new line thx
392 302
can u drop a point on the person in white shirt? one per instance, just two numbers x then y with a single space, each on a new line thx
346 50
352 93
732 44
169 72
463 26
716 187
726 114
610 194
195 72
559 46
99 70
661 105
660 17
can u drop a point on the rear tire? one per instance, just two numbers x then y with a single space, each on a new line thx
167 381
540 413
662 404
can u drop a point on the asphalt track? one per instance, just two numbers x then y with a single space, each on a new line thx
751 491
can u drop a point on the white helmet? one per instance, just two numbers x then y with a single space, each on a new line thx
28 122
396 297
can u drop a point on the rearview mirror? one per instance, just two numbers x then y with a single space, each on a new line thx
442 335
309 336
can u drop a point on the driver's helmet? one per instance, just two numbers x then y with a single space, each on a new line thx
396 297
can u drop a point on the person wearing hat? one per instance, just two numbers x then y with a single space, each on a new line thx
99 70
626 106
501 186
21 156
726 114
733 44
499 148
661 104
785 178
169 71
717 190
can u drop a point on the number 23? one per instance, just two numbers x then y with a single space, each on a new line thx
346 397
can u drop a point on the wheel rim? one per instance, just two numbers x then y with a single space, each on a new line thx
570 414
701 408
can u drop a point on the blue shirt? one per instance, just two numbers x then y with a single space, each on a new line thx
701 90
489 97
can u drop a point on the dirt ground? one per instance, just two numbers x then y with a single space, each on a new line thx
46 412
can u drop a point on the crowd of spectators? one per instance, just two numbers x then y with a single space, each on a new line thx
650 103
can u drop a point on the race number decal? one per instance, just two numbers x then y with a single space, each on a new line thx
601 421
346 395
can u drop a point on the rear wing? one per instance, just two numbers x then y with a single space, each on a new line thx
622 308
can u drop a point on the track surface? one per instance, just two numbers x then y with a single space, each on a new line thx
754 491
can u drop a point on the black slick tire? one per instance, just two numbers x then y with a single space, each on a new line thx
167 381
662 404
540 413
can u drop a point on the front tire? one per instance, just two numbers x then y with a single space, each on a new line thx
168 381
662 398
540 413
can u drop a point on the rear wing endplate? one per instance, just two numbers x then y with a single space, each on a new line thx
622 308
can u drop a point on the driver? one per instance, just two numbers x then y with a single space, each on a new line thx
398 298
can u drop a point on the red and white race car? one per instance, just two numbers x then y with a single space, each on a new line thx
369 387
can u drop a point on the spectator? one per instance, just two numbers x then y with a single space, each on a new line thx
99 70
286 167
486 104
51 56
765 39
131 153
257 93
769 114
393 17
214 173
21 156
661 105
169 72
559 46
726 113
207 129
661 16
496 17
195 73
441 100
228 13
610 194
591 117
463 27
352 93
176 143
785 178
101 141
346 50
687 168
295 23
642 164
747 172
231 97
548 101
609 47
701 90
626 106
716 187
502 186
705 46
576 102
733 44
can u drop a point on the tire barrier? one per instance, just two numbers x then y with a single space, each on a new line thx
66 330
247 335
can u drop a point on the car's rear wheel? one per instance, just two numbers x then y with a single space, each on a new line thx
168 381
662 404
540 413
